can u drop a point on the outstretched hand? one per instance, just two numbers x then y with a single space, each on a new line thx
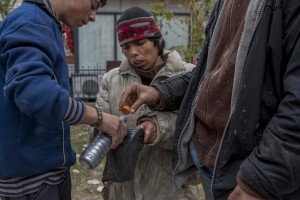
140 94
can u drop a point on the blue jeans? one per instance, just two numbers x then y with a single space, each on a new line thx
205 173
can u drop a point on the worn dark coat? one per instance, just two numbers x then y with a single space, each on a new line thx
262 135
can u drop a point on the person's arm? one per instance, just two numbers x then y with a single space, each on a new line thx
173 90
30 52
243 191
31 84
166 95
272 168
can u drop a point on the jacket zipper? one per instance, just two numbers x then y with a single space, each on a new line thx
64 153
182 133
63 129
207 111
236 96
211 78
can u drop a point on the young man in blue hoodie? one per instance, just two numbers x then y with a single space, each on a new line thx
36 107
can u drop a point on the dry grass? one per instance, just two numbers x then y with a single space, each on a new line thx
86 184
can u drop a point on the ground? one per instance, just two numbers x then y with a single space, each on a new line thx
86 184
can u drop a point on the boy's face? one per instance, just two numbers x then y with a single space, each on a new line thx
76 13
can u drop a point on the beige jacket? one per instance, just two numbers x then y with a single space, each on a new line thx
153 172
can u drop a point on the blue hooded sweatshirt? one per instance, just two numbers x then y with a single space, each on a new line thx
34 97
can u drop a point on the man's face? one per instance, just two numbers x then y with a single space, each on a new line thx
77 13
141 54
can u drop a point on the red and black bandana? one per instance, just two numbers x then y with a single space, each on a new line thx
136 29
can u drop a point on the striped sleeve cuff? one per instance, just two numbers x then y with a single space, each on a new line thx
75 112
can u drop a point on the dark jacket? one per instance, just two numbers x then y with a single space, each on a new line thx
261 137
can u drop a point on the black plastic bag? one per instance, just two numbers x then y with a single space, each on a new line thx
121 162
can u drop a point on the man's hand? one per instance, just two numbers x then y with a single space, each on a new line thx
239 194
142 95
113 126
150 131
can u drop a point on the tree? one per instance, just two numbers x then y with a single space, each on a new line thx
199 13
6 6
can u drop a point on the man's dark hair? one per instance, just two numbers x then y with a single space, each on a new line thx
161 46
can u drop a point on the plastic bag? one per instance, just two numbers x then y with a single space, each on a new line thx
121 162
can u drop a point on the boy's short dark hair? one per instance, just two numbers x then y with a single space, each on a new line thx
102 3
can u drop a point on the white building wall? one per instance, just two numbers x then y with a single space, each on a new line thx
121 5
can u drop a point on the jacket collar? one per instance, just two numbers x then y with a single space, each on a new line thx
48 6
